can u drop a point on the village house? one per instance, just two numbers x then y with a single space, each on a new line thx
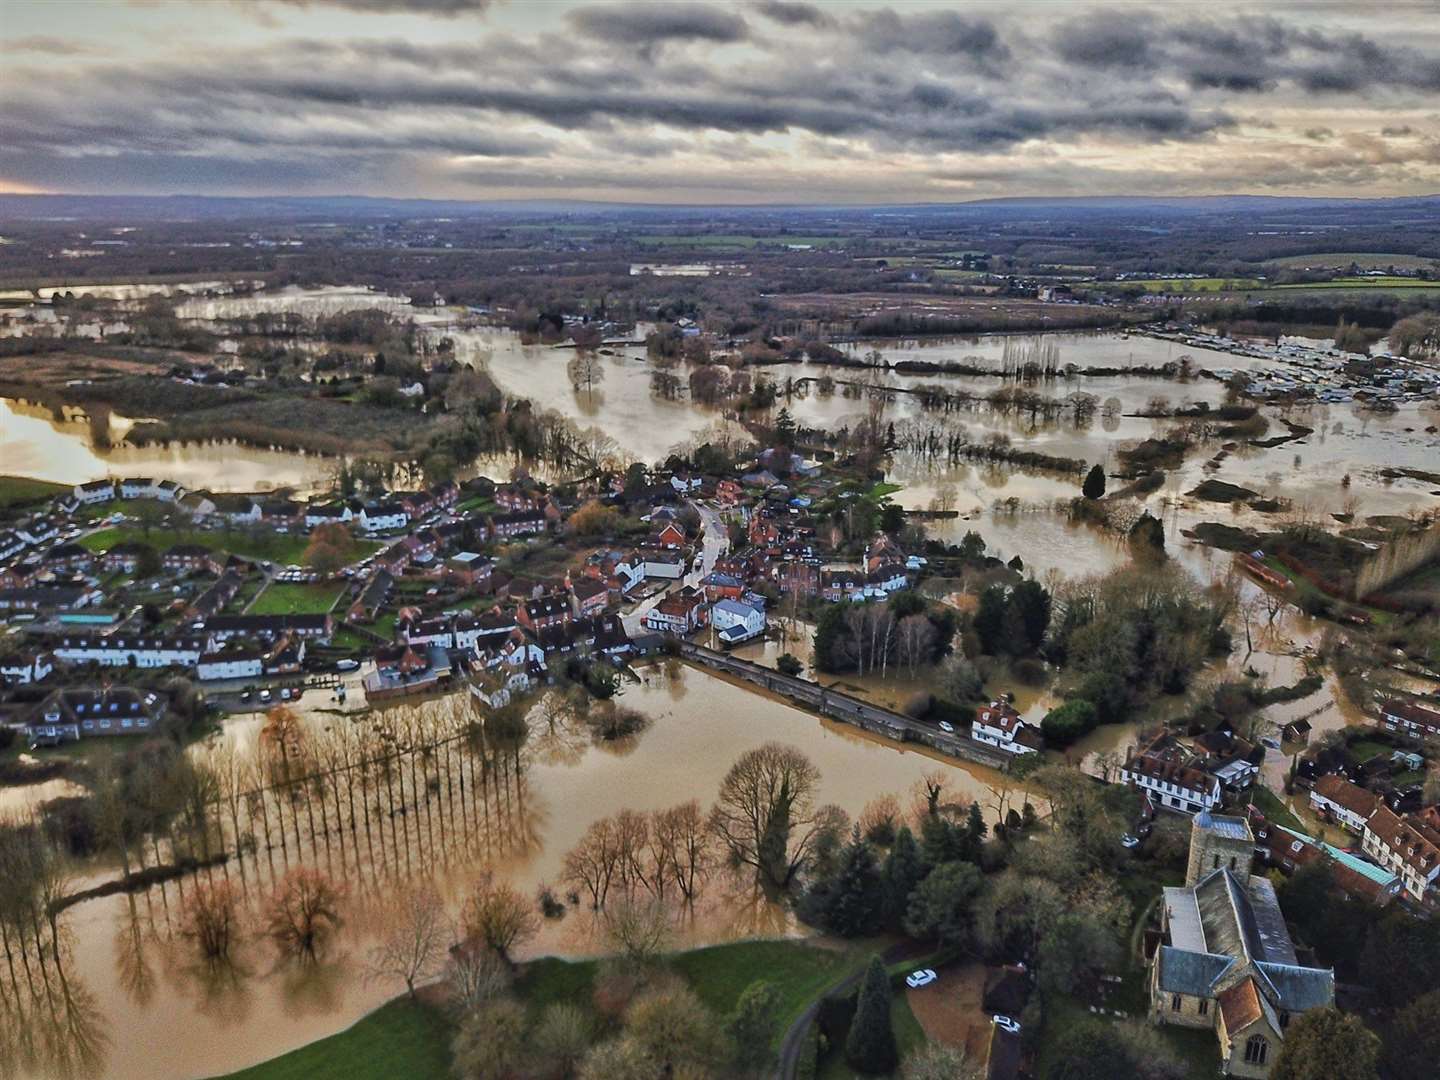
1410 719
374 595
241 662
681 612
1408 846
552 609
468 569
38 529
383 517
437 631
49 598
670 535
71 558
25 666
71 713
1165 772
736 621
115 650
484 631
11 543
592 596
96 491
506 526
1335 798
511 498
998 724
720 586
236 509
661 563
224 627
317 514
124 557
188 558
1357 878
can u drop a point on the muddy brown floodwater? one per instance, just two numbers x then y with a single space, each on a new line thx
147 1009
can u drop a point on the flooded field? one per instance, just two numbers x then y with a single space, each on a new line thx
134 980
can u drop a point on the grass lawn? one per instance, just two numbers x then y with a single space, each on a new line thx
1194 284
882 489
798 971
402 1039
1274 810
273 547
398 1039
292 598
1365 749
22 491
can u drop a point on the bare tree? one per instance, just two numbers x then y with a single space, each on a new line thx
681 834
210 918
303 913
640 929
499 916
585 370
765 814
593 863
414 938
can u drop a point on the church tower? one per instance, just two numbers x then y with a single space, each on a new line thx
1219 842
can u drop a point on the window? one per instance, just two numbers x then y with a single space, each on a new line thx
1256 1049
1284 1020
1175 1003
1204 1006
1215 863
1232 862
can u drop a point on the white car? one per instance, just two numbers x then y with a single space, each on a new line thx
346 665
917 979
1129 843
1006 1024
947 727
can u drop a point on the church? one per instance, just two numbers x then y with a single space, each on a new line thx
1226 961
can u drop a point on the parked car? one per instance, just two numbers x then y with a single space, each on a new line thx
1270 741
264 695
917 979
1007 1024
346 665
947 727
1129 843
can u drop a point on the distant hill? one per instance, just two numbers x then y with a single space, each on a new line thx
361 207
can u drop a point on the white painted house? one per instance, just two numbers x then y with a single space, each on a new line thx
96 491
231 664
114 650
1000 726
1347 803
27 667
383 517
736 621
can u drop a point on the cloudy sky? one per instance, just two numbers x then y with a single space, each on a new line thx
764 101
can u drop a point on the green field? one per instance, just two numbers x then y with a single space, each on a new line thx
21 491
403 1039
1366 261
1191 285
738 241
1387 281
399 1039
293 598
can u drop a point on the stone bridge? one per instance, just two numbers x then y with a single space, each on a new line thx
845 708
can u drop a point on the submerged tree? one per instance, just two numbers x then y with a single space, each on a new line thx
303 913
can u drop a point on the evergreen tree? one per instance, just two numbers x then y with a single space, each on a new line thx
1014 639
940 841
829 628
752 1025
785 428
870 1045
942 907
1326 1044
989 619
1033 601
855 896
975 830
1094 486
901 873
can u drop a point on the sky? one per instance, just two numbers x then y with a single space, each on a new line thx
764 101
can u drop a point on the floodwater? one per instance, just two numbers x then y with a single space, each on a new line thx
34 442
136 984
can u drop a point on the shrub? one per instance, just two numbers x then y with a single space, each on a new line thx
1068 722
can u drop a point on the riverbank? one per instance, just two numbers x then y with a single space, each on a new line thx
411 1038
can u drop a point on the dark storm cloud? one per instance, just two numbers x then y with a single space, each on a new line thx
787 13
930 33
445 8
1241 55
645 25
